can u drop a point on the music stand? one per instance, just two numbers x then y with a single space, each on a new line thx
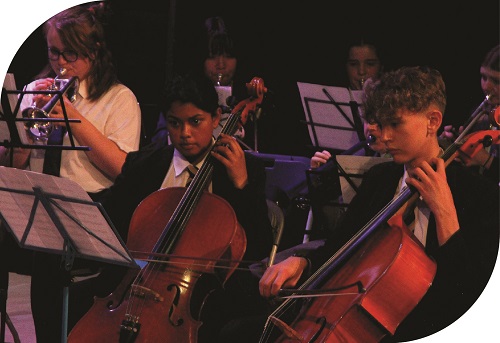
10 115
55 215
332 116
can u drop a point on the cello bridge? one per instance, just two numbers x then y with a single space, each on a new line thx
146 293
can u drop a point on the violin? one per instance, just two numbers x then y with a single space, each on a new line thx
366 289
193 242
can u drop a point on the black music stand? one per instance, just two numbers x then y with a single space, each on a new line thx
16 137
55 215
332 116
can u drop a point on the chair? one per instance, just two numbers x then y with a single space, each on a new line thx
277 219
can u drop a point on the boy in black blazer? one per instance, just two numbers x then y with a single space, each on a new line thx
457 216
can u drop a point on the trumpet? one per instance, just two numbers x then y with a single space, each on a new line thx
40 130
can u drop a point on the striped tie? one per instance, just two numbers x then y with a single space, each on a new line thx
192 172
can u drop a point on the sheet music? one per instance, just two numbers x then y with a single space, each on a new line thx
328 126
355 167
17 209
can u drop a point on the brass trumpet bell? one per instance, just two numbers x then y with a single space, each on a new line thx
40 130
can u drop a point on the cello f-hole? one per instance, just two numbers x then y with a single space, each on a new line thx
322 322
175 303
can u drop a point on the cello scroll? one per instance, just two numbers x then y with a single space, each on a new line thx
256 90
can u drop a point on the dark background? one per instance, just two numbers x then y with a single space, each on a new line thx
284 42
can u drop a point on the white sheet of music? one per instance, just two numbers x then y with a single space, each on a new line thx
77 213
328 126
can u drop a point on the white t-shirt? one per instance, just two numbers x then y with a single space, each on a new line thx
116 114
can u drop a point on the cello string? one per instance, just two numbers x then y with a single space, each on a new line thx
181 215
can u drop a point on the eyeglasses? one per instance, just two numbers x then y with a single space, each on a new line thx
69 56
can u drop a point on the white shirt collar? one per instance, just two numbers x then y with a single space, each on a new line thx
180 163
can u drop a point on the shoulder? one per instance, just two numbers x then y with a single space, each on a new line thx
151 152
385 169
120 91
463 179
146 164
476 197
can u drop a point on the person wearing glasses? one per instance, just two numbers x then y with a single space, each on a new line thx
109 113
110 125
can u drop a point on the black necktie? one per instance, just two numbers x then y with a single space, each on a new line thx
192 172
52 161
431 244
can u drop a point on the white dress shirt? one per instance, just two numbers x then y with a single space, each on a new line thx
116 114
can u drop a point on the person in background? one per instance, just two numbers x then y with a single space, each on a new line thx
486 160
110 125
219 61
456 220
363 62
192 112
220 66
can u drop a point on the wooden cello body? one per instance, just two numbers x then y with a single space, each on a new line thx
164 302
387 277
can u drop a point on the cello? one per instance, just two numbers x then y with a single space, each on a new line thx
374 281
193 242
